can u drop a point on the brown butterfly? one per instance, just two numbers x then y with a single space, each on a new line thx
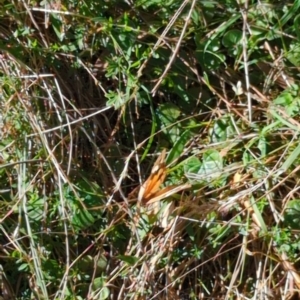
149 191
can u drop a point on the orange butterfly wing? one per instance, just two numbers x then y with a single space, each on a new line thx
156 178
152 184
149 191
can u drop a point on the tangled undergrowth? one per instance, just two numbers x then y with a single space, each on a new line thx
149 149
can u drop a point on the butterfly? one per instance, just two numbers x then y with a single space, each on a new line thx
150 191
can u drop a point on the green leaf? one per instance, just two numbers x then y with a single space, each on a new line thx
130 260
116 99
258 215
247 158
206 171
179 146
212 164
292 159
290 13
277 115
82 219
23 267
36 207
101 264
263 146
99 285
222 130
57 26
297 26
168 114
192 165
292 214
209 56
232 38
289 100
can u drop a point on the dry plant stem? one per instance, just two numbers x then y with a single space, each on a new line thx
39 280
116 128
35 124
102 157
230 76
175 50
97 82
258 281
52 11
287 266
162 36
236 272
61 177
135 146
229 105
117 187
74 122
245 57
287 81
190 271
69 126
35 24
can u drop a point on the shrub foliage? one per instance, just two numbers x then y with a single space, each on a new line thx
149 149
